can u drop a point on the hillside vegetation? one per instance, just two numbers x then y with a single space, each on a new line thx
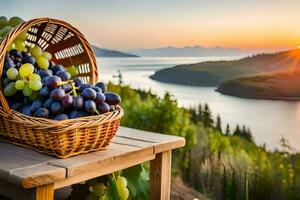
261 76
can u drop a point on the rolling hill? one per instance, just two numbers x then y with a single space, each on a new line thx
261 76
188 51
100 52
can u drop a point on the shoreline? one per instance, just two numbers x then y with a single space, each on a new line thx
262 97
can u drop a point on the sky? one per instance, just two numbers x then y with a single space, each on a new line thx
131 24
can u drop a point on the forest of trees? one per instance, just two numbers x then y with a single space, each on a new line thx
219 162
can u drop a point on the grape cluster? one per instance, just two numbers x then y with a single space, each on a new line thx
36 86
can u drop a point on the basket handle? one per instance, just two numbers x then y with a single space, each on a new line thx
11 36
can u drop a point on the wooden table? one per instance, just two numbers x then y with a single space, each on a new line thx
26 174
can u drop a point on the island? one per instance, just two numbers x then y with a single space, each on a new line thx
100 52
264 76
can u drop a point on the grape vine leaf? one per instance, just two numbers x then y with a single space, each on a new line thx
137 182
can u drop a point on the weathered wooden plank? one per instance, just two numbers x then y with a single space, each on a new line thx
145 135
132 142
160 176
33 176
15 158
111 166
160 142
95 160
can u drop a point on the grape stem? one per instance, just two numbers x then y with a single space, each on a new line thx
114 177
73 88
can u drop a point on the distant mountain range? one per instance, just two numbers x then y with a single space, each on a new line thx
100 52
188 51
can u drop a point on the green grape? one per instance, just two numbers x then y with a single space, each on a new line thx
36 51
35 85
26 69
99 189
26 90
23 36
34 76
10 89
20 45
12 73
5 30
121 187
73 71
42 62
3 21
34 95
15 21
47 55
20 84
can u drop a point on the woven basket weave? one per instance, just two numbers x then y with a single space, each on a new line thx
59 138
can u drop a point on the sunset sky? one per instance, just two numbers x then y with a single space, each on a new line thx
129 24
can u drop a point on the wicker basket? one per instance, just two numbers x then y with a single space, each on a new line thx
59 138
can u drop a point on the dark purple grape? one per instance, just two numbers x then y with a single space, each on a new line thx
44 92
60 117
83 114
15 54
18 63
28 59
15 105
73 114
57 94
26 110
7 56
83 86
57 68
78 82
48 103
44 73
67 87
5 82
52 82
77 102
9 63
36 105
97 89
67 101
100 98
103 107
112 98
90 106
56 108
42 113
88 94
63 75
24 54
102 86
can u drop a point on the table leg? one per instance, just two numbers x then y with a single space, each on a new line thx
160 176
45 192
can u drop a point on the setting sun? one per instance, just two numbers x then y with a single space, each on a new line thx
299 46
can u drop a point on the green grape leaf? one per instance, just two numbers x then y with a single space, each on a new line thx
137 182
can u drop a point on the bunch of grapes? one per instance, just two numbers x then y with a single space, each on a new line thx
36 86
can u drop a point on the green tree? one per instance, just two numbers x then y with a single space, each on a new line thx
207 117
227 132
218 124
